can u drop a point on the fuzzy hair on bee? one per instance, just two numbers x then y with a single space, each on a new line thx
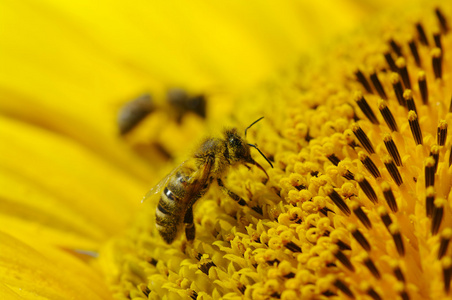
188 182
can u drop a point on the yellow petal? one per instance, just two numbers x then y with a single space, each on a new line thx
34 271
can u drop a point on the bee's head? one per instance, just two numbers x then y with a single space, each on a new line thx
238 150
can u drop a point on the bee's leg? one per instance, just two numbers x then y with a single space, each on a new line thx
189 225
236 197
231 194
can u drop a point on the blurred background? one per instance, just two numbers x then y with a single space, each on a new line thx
69 67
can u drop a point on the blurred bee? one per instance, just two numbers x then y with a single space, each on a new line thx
190 181
178 103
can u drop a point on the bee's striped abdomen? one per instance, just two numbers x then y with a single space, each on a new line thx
171 207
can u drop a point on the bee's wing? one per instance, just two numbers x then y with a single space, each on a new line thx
159 186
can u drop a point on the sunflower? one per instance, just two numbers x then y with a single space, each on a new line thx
356 206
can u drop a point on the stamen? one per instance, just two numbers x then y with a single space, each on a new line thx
361 215
390 62
343 288
437 40
392 149
446 235
415 127
369 164
365 108
368 262
387 115
378 86
447 273
442 132
404 295
398 88
438 213
422 82
362 138
359 237
393 171
397 237
373 294
442 20
337 199
450 157
362 79
385 218
408 96
436 62
398 272
434 152
422 36
334 159
429 199
340 256
397 49
415 53
389 196
403 71
367 188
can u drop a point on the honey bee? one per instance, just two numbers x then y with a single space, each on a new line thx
188 182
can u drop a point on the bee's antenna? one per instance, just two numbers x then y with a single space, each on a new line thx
252 125
254 146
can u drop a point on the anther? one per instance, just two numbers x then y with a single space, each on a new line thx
396 48
389 196
450 105
362 138
429 171
442 133
415 127
359 237
398 272
403 71
369 164
365 108
337 199
397 237
362 79
437 40
442 20
390 61
378 86
343 288
447 273
392 149
414 52
333 159
385 218
438 214
422 82
393 171
422 36
429 199
398 88
408 96
387 115
367 188
436 62
373 294
342 258
446 235
292 247
361 215
368 262
434 152
450 157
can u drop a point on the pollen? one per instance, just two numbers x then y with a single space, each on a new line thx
358 204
